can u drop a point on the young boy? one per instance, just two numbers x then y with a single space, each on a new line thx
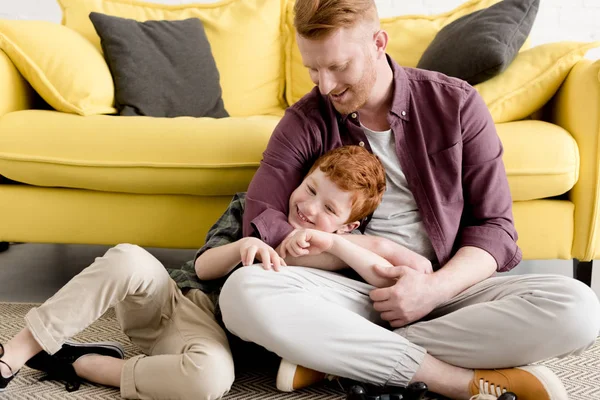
343 187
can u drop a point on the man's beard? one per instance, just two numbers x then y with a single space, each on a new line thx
359 92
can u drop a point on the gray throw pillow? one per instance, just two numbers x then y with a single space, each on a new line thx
160 68
482 44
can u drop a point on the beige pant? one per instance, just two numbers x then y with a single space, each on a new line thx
187 355
325 321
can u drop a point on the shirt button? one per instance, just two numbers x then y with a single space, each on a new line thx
353 115
403 113
361 144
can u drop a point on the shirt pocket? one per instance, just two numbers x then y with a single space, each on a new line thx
446 168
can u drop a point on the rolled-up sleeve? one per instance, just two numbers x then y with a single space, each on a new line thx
487 218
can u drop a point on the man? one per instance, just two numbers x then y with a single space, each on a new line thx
458 329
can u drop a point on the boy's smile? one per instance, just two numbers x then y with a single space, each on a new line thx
320 204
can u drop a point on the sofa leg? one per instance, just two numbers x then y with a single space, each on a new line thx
3 246
582 271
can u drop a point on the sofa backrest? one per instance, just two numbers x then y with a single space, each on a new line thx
245 38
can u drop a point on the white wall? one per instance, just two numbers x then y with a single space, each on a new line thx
557 19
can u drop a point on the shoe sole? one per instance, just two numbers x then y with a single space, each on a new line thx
106 345
285 376
549 380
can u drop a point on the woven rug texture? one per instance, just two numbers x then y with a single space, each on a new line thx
581 375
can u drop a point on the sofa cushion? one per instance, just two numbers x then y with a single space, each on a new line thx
63 67
481 45
409 37
541 159
179 76
245 37
531 80
184 155
218 156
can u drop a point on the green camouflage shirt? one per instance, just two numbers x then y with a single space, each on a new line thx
227 229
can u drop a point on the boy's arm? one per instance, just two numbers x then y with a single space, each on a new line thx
218 261
360 259
394 253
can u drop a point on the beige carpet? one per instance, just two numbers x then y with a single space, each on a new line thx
581 375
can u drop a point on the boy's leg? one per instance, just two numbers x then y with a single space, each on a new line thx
137 285
124 272
74 307
188 355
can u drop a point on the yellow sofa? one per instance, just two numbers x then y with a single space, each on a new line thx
74 174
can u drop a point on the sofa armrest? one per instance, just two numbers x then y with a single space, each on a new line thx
16 93
576 108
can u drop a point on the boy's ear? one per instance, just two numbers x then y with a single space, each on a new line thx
349 227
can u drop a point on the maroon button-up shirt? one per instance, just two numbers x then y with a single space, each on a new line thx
448 149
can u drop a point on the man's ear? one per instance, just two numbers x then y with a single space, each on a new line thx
381 41
349 227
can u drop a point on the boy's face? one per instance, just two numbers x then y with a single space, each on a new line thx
319 204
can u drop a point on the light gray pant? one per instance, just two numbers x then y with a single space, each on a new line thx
325 321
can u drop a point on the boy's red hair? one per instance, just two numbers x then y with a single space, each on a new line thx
354 169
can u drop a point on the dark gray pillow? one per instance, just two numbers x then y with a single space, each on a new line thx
160 68
482 44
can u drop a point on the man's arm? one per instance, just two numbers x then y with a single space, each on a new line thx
415 295
487 240
487 200
470 265
290 151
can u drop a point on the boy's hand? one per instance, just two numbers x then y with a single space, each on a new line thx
255 248
303 242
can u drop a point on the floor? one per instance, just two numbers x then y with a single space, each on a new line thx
34 272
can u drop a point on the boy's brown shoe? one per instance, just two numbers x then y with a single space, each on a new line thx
291 377
534 382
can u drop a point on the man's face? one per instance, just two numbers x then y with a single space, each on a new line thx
342 66
319 204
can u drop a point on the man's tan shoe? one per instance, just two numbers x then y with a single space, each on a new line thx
291 377
534 382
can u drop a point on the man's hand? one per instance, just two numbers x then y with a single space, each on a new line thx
304 242
255 248
411 298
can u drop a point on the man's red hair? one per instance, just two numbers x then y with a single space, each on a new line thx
316 19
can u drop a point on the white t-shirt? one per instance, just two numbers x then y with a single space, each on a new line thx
397 218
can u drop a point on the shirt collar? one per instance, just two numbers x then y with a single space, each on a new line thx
400 96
